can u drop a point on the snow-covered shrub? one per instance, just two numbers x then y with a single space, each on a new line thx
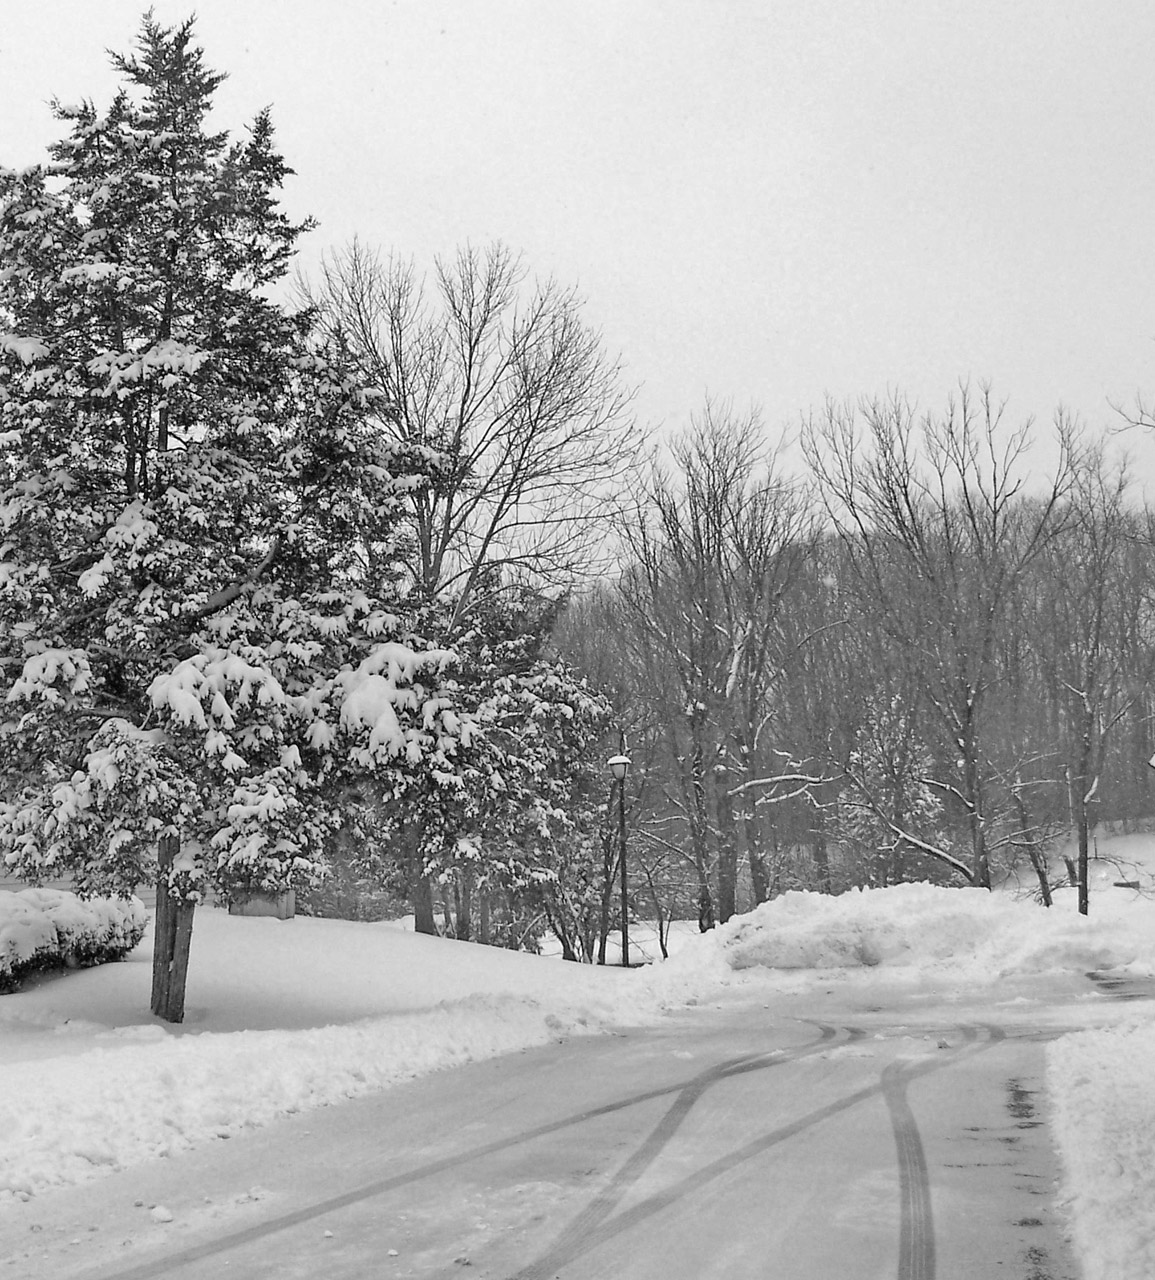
27 938
43 928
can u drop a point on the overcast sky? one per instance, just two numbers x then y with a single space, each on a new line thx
766 200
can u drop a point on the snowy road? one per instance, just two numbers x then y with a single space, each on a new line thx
805 1138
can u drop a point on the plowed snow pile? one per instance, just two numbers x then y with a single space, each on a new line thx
1102 1085
967 935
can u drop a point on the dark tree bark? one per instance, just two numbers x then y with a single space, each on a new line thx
727 848
172 938
483 930
421 899
821 861
1028 836
464 905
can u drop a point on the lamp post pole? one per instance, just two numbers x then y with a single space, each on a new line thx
619 767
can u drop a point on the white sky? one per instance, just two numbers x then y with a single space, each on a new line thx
768 200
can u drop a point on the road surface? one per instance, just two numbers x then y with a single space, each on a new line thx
878 1135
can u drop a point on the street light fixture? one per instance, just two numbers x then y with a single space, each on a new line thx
619 766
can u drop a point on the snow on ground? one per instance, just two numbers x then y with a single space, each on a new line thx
1103 1088
287 1015
280 1016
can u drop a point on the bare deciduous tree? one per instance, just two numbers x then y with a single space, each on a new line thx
1091 631
714 544
939 528
509 392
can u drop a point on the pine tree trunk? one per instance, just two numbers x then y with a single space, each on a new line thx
421 896
420 885
172 937
464 903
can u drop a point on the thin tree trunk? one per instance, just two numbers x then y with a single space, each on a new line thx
421 897
420 886
759 879
172 938
699 830
1084 861
727 851
821 861
663 924
980 859
483 933
1037 861
753 832
1084 790
556 920
465 906
706 918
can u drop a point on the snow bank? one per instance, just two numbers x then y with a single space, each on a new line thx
68 1119
1103 1091
1102 1087
964 935
281 1016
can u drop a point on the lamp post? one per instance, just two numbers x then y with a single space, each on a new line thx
619 767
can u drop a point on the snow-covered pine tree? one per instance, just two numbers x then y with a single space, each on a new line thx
531 814
195 519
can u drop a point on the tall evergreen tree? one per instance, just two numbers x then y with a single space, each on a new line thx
195 518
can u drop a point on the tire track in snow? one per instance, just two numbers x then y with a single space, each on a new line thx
916 1246
250 1235
599 1224
585 1233
916 1224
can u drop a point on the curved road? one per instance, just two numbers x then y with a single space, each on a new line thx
813 1139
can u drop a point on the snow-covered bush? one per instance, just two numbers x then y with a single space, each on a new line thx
42 928
28 939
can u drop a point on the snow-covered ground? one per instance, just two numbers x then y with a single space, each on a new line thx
287 1015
